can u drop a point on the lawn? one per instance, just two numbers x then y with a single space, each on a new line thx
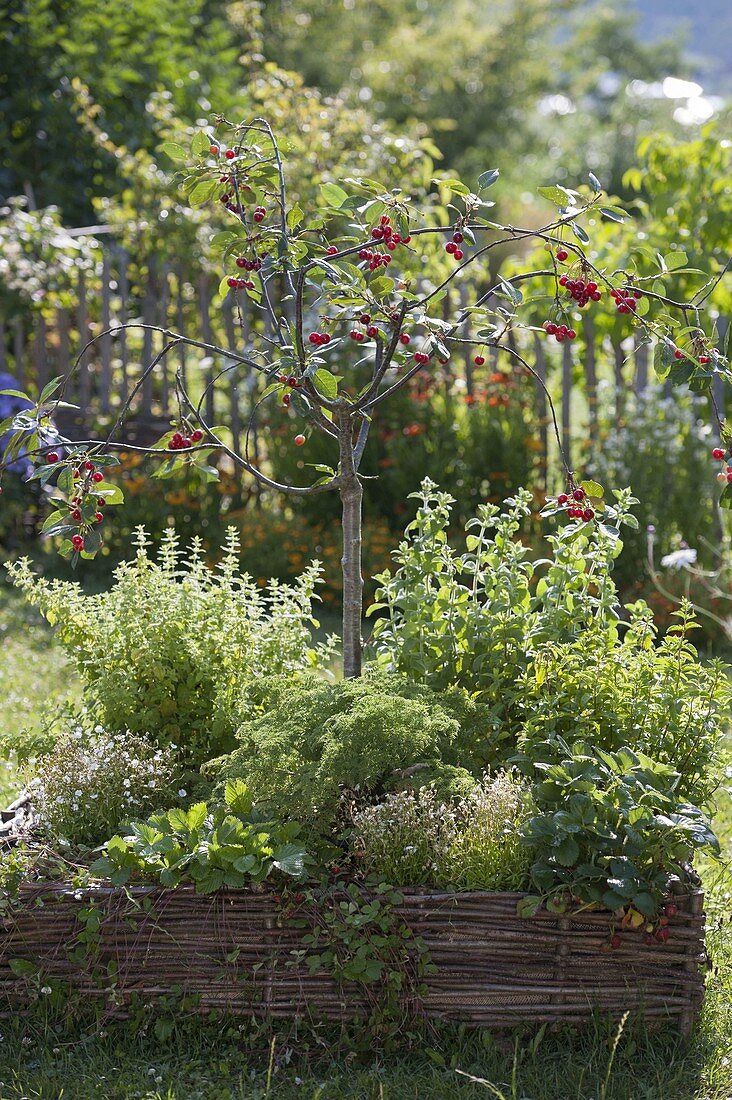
188 1060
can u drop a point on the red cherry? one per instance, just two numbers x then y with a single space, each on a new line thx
404 338
331 250
232 282
671 909
98 516
286 400
578 494
458 254
678 354
229 154
365 319
299 440
587 515
101 502
662 935
98 477
77 542
76 515
550 328
704 359
562 498
571 334
479 360
52 457
716 453
88 465
372 331
214 150
458 237
562 254
451 247
196 436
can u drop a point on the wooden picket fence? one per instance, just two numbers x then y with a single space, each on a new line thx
34 348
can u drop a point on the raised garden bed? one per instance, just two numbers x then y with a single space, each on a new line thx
238 951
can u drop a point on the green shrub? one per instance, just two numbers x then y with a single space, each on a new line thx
88 786
660 700
414 838
229 845
486 852
475 619
169 649
318 740
611 830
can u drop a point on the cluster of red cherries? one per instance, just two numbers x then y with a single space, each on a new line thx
385 234
575 504
453 247
319 339
626 300
559 332
88 476
291 382
180 442
580 292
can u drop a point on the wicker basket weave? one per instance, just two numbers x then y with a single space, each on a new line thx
236 950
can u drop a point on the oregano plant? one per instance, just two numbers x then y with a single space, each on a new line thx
353 301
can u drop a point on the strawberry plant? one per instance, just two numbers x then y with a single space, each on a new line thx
610 831
228 845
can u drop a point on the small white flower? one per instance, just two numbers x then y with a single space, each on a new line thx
678 559
45 989
182 793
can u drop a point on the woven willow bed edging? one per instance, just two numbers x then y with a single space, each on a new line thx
234 950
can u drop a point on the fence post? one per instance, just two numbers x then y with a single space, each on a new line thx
148 318
542 412
567 402
105 378
590 333
19 350
83 327
204 307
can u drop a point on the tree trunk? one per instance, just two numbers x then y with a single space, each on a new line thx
351 493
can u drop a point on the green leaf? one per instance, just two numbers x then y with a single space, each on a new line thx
174 151
675 260
325 383
15 393
594 182
557 194
487 179
593 489
528 906
289 858
612 214
567 852
334 195
23 968
579 233
201 143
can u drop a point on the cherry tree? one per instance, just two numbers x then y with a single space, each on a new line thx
352 300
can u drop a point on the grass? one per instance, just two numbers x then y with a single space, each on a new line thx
170 1058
